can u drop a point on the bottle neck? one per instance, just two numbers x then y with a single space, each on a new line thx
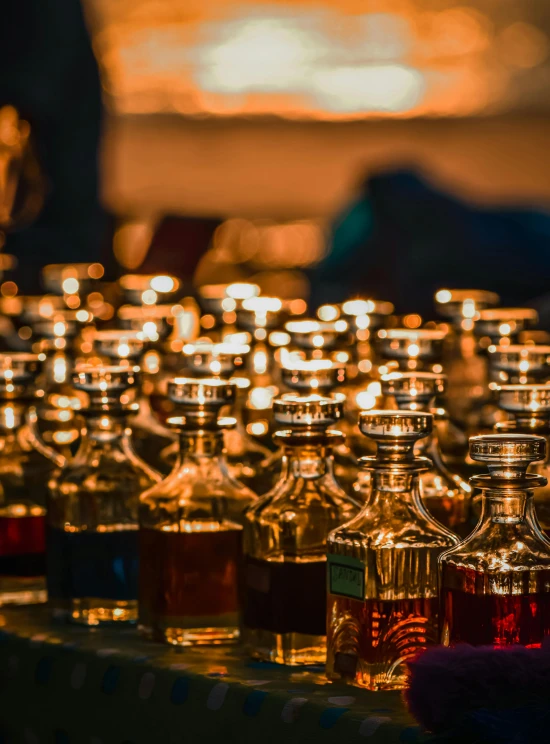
505 507
389 481
396 495
201 443
107 428
309 462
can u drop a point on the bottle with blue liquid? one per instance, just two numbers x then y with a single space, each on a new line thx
92 532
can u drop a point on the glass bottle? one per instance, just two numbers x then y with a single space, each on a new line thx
216 300
445 495
191 523
315 337
244 455
465 367
92 535
519 363
382 565
322 377
25 466
508 364
149 436
72 280
501 325
362 385
459 305
529 405
148 288
495 585
418 349
57 411
285 536
259 315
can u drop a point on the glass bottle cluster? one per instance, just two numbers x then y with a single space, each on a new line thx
298 484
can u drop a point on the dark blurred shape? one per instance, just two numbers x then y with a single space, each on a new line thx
49 74
483 694
177 246
403 238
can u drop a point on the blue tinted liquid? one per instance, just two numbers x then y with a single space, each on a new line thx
100 565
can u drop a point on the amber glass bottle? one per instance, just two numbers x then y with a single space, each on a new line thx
285 536
495 585
191 528
529 405
382 565
445 494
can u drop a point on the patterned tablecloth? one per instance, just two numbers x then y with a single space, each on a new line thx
67 685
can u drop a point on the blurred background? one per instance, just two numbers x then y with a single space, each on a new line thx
315 147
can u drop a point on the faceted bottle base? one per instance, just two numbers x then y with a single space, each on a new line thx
175 636
91 611
371 641
17 590
370 676
294 649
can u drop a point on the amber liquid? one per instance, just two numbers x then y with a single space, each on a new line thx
370 641
285 597
189 585
471 614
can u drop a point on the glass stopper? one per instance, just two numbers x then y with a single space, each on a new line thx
416 389
308 411
507 457
395 433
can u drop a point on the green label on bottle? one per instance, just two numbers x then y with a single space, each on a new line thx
346 576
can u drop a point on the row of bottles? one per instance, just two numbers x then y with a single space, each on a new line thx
209 533
207 546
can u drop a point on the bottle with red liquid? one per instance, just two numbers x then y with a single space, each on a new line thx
445 494
25 467
191 528
529 405
285 536
495 585
383 597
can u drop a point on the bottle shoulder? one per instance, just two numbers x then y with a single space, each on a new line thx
302 495
195 479
498 547
381 525
123 476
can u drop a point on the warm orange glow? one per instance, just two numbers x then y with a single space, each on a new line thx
326 59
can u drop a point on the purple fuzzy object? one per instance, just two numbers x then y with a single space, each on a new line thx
448 683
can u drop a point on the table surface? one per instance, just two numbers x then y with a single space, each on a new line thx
64 684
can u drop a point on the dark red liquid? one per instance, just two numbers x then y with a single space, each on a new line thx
483 619
379 632
451 512
285 597
189 574
22 545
